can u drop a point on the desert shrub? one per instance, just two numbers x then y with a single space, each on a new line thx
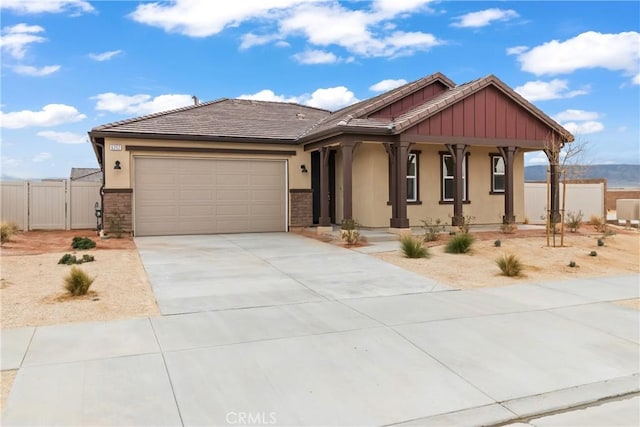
572 264
69 259
465 224
510 265
7 229
593 253
574 220
77 282
82 243
497 243
350 231
600 242
459 244
116 224
599 223
412 247
432 229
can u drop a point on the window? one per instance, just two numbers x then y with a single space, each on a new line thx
448 170
497 174
412 178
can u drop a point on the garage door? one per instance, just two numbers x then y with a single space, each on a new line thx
204 196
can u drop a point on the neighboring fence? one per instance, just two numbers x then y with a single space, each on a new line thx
49 205
586 197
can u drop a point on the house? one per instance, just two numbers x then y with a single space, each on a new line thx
428 149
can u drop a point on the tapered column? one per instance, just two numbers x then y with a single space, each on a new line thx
390 149
508 155
554 159
347 178
325 219
400 220
458 151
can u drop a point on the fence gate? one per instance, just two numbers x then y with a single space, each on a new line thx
49 205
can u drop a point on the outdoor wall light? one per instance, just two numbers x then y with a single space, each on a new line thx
117 165
303 168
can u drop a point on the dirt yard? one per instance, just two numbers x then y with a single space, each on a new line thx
477 269
31 283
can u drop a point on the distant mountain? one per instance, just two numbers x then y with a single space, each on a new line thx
616 175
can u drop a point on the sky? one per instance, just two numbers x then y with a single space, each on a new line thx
70 65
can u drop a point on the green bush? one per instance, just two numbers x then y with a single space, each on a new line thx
432 229
510 265
69 259
82 243
412 247
600 242
459 244
497 243
593 253
7 229
574 221
572 264
77 282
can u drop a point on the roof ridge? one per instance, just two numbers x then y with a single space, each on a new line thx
157 114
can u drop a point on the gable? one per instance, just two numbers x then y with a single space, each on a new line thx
487 113
410 101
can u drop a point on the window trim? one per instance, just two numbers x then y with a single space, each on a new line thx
414 177
465 173
417 201
493 190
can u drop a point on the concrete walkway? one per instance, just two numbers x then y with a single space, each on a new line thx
278 329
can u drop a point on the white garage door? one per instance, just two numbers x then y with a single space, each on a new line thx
204 196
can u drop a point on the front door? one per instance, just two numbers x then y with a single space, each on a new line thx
315 185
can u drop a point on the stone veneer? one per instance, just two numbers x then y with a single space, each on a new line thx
118 200
301 207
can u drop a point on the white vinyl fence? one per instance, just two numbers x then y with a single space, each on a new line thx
49 205
586 197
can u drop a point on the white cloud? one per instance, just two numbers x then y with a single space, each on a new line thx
47 6
576 115
636 79
388 84
315 57
615 52
583 128
28 70
483 18
517 50
365 32
540 90
140 104
50 115
63 137
104 56
535 158
41 157
16 39
204 18
331 98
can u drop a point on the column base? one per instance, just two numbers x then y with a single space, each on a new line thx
399 223
511 219
400 231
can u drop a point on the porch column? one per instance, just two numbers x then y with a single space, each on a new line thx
325 219
508 154
400 220
458 151
554 160
389 148
347 178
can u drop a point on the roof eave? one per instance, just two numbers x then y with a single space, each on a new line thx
182 137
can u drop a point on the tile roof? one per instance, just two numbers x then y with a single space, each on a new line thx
225 118
86 174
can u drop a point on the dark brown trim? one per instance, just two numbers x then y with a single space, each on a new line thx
450 202
118 190
300 190
340 138
491 157
419 202
209 150
183 137
493 142
466 175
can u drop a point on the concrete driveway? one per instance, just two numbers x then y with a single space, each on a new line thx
277 329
